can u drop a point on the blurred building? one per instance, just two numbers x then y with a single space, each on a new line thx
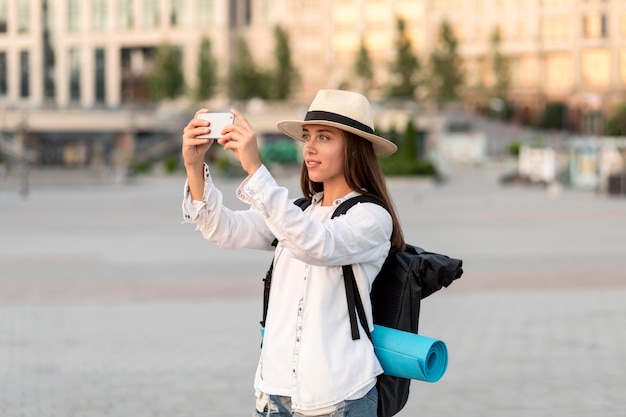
72 69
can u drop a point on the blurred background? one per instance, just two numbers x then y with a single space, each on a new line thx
104 87
510 118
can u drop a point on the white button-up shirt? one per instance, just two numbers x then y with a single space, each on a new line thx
308 353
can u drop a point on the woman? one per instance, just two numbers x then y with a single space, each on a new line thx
309 364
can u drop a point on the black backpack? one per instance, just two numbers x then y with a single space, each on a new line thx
404 279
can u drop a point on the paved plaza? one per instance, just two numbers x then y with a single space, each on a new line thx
110 306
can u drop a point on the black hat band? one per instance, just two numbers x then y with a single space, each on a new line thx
337 118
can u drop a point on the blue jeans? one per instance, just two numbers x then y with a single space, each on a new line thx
363 407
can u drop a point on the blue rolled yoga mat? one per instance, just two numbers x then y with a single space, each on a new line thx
410 355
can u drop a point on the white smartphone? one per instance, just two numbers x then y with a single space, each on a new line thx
218 122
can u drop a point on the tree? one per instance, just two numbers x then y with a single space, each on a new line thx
285 75
500 67
554 116
246 81
616 124
363 66
446 66
206 71
166 80
404 69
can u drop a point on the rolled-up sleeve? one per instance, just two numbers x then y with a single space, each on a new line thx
229 229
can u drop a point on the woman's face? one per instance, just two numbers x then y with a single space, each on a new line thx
323 153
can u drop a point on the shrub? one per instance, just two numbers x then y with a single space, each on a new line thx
405 161
171 162
280 151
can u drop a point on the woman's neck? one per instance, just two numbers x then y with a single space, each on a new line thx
333 191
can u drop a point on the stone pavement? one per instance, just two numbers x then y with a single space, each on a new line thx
109 306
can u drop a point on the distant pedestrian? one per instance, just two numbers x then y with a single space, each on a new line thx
309 364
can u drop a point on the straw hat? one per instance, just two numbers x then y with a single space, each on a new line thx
344 110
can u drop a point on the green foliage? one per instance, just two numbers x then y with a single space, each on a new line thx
500 66
171 162
285 74
141 167
166 80
616 123
227 167
405 67
280 151
246 80
409 144
206 71
393 166
406 160
554 116
364 67
446 66
514 148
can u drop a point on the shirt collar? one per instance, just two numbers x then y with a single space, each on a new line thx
317 198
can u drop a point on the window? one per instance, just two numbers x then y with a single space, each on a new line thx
596 67
24 74
74 64
556 2
522 31
150 14
3 74
125 14
556 29
205 12
526 71
559 70
265 11
23 16
99 15
177 13
312 4
248 12
3 16
49 85
100 75
448 5
594 26
73 15
622 65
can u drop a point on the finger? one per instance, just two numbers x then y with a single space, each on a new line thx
195 129
197 121
200 111
241 119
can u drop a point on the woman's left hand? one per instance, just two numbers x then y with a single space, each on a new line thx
242 140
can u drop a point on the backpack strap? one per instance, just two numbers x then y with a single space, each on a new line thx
353 297
303 203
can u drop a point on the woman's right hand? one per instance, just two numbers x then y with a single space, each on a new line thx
194 148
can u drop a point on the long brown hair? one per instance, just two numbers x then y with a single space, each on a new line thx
363 175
